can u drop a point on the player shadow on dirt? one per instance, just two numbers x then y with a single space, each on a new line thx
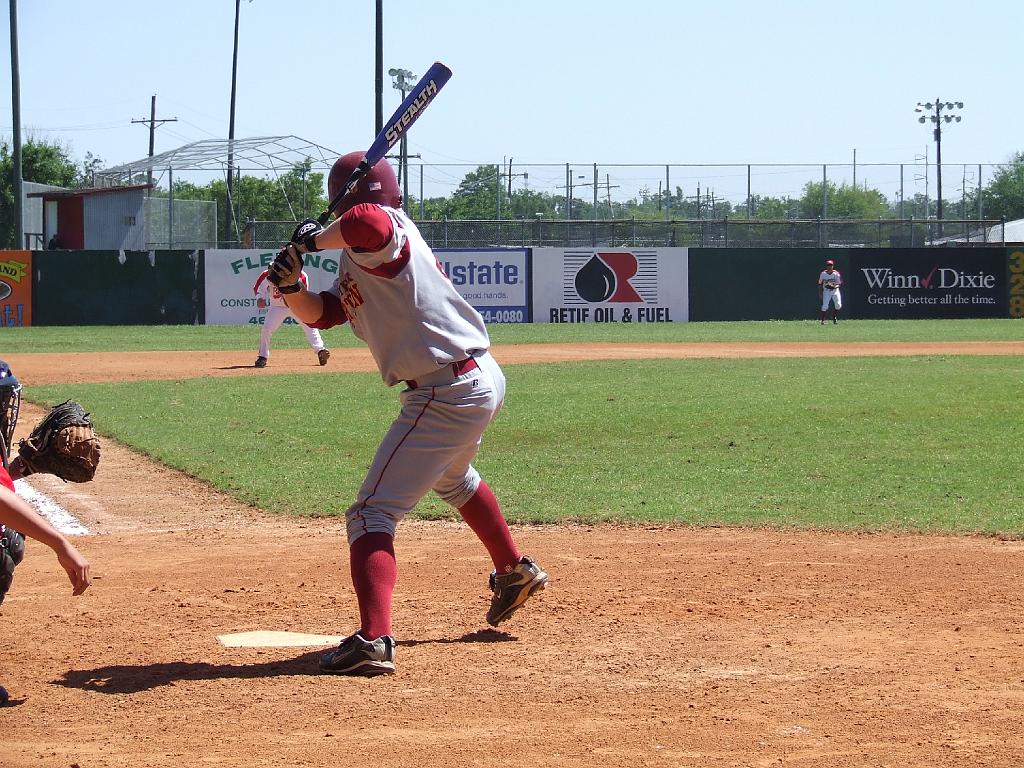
480 636
127 678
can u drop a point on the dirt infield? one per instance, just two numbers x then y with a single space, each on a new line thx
652 646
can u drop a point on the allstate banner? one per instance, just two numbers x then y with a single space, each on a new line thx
231 275
895 283
610 285
493 281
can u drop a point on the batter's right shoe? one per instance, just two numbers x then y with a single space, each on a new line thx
261 362
513 589
358 657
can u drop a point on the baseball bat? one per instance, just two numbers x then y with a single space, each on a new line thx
401 121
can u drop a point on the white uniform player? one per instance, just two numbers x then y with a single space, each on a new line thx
269 298
395 295
830 280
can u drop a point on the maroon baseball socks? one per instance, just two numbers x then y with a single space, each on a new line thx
483 515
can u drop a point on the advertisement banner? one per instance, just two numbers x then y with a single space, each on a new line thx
896 283
15 288
1015 264
608 285
231 275
493 281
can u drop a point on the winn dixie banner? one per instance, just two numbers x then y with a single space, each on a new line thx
895 283
610 285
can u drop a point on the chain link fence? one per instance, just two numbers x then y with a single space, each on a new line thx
639 233
174 224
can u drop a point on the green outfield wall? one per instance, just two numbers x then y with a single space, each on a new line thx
621 285
117 287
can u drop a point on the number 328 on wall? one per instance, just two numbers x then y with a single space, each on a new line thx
1017 284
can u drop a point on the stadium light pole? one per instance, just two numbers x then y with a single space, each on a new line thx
937 118
404 80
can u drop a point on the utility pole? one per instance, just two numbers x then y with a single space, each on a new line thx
379 67
19 199
608 187
230 213
153 123
509 175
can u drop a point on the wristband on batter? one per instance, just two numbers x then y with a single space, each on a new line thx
309 242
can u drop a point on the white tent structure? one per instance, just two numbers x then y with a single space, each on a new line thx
172 223
1010 232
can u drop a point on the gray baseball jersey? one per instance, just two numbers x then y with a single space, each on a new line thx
400 302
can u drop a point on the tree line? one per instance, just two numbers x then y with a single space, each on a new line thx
481 195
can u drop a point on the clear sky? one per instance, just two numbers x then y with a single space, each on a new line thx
543 81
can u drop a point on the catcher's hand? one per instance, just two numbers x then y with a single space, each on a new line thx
62 444
12 550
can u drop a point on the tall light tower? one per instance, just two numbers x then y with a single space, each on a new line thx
404 80
938 119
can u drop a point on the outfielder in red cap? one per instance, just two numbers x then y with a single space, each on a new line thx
828 284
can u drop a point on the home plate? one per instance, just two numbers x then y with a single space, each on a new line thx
268 639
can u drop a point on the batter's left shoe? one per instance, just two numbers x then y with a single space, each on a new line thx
359 657
323 356
513 589
4 696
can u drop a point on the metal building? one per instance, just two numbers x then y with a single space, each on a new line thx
101 218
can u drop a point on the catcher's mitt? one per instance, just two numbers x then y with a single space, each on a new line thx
12 549
62 444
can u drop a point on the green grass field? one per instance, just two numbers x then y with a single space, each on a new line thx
911 443
212 337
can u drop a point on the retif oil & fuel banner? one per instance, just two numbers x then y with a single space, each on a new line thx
610 285
894 283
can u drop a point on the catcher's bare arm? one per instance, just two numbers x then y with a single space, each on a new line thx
17 514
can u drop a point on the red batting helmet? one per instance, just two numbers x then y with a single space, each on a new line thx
379 185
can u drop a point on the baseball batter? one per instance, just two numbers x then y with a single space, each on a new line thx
269 298
17 518
396 297
829 282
